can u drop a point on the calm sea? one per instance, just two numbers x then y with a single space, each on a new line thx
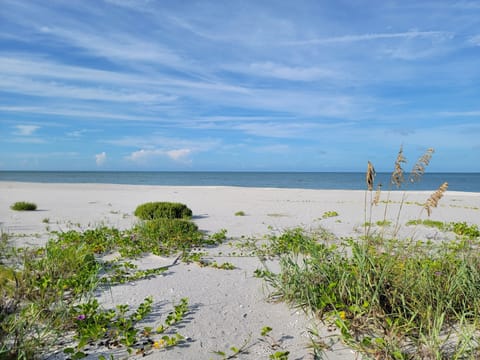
300 180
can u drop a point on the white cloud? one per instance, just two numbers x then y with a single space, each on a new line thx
273 149
475 40
76 112
48 155
24 85
285 72
117 47
26 130
438 35
145 155
27 140
77 133
142 156
130 4
473 113
178 154
101 158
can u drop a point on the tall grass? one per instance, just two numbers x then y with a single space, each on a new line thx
389 298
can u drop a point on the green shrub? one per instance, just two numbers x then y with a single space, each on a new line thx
167 210
329 214
429 223
163 236
463 229
24 206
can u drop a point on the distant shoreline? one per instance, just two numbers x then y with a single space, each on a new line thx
466 182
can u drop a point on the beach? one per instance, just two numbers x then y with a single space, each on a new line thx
228 308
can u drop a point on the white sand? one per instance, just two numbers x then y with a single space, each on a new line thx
228 307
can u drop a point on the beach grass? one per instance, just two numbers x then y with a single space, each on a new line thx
47 292
389 298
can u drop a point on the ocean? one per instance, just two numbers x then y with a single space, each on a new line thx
302 180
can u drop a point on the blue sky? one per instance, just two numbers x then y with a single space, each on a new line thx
238 85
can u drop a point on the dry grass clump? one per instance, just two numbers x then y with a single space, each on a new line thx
378 192
432 201
370 176
398 177
419 167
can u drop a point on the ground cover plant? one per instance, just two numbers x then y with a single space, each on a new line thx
329 214
459 228
24 206
47 292
120 327
389 298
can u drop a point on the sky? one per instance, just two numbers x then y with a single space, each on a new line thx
240 85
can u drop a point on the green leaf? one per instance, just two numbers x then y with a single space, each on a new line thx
266 330
68 350
160 329
79 355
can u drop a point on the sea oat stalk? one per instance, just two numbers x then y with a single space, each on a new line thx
433 200
419 167
378 192
370 179
370 176
398 177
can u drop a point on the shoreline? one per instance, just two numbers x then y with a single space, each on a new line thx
469 182
228 306
9 183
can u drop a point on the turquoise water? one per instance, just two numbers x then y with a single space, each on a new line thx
301 180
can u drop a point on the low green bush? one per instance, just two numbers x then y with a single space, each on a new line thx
329 214
429 223
167 210
470 231
24 206
164 236
464 229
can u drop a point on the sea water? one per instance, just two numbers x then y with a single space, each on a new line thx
294 180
